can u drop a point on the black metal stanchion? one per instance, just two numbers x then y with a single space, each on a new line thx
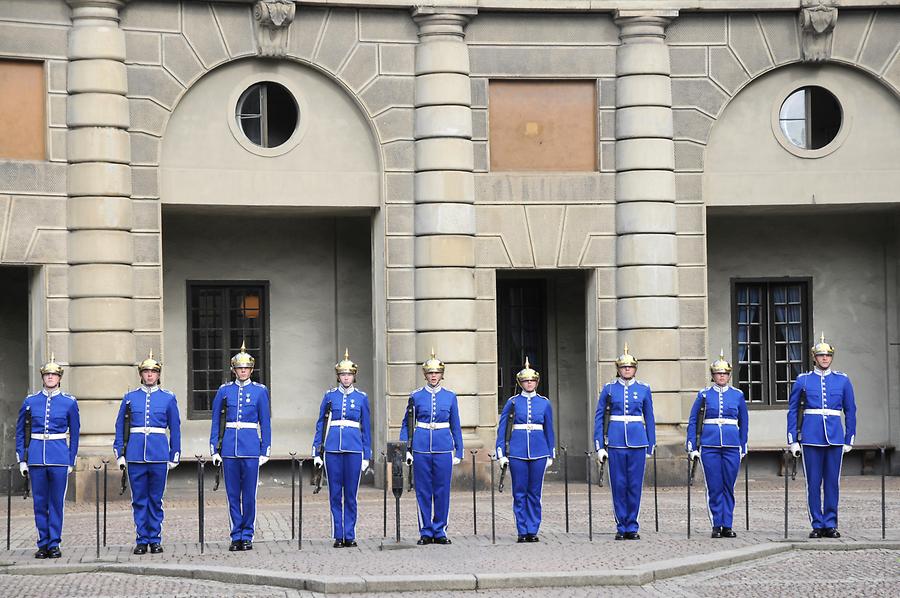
747 490
493 514
293 455
474 503
300 505
385 480
786 481
9 479
883 471
105 497
655 494
587 458
689 498
200 501
97 469
565 452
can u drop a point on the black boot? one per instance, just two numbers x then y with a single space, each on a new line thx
831 532
727 532
156 548
716 532
338 544
54 553
140 549
424 541
816 533
235 546
41 553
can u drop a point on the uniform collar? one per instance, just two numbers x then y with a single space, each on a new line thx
718 388
434 389
822 372
346 391
624 382
247 382
52 393
149 389
529 394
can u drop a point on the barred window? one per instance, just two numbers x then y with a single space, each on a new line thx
221 316
771 337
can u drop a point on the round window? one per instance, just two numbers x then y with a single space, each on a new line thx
810 117
267 113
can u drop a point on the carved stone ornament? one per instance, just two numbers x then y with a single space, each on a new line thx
817 20
273 21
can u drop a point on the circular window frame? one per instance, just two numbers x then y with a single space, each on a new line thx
847 109
299 131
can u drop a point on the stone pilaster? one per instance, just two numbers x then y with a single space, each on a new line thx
646 274
99 220
444 193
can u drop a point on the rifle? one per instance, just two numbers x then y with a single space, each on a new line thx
606 414
25 453
799 427
698 437
222 422
510 420
126 434
317 471
411 427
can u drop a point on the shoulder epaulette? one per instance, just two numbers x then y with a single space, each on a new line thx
260 384
68 396
361 392
841 373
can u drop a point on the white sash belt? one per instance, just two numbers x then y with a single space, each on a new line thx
530 427
434 425
148 430
626 418
241 425
48 436
836 412
345 423
722 421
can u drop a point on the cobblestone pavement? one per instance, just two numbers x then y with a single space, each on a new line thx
558 551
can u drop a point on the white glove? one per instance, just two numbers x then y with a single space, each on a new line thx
263 459
121 463
848 448
317 461
23 468
602 455
172 465
70 469
365 465
503 461
457 460
795 449
694 455
651 450
409 458
217 459
549 463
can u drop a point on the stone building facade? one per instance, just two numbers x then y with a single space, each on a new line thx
487 178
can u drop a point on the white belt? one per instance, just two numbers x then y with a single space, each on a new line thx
241 425
148 430
434 425
836 412
530 427
345 423
626 418
48 436
722 421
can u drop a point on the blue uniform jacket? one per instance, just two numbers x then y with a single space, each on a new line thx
353 406
525 443
822 390
633 400
53 414
434 408
248 428
150 408
721 403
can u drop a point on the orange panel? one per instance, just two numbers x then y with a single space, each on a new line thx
543 125
22 110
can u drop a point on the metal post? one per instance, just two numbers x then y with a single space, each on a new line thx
474 503
293 455
747 490
9 480
883 470
587 457
385 478
689 498
565 453
97 505
786 481
200 499
655 494
105 486
300 505
493 517
397 516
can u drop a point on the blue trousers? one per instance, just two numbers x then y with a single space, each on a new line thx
527 487
48 487
148 482
343 472
822 467
241 475
432 473
720 469
626 482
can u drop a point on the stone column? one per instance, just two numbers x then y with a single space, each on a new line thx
444 196
646 275
99 219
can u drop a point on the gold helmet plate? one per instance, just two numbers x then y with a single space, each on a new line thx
433 364
345 366
822 347
721 365
51 367
150 364
626 359
526 374
243 359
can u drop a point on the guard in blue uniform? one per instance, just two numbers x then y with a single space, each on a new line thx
246 445
818 398
436 447
631 438
723 443
532 448
348 448
49 460
150 454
